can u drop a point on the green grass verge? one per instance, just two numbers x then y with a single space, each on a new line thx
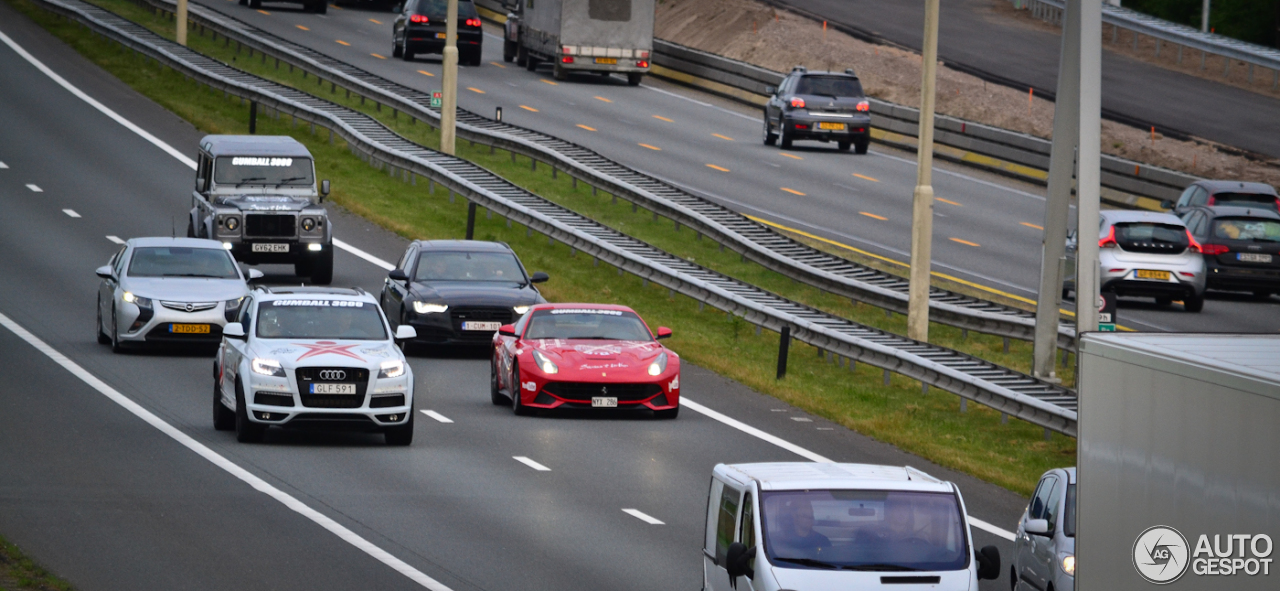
19 573
1012 455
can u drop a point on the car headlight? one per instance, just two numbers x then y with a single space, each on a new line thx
546 365
231 223
659 365
141 302
520 310
1068 562
308 224
427 308
391 369
267 367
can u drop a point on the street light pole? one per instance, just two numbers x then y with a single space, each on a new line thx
922 204
180 21
1204 17
1090 161
449 102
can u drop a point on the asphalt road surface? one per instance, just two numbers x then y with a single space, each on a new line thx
972 33
113 477
986 227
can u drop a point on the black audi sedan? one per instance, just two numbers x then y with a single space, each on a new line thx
458 292
420 28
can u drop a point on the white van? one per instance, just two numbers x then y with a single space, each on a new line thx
803 526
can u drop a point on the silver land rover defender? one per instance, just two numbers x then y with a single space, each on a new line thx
257 195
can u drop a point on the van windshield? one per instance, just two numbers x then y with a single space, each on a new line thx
263 170
863 530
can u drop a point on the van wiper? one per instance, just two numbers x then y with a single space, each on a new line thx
881 567
290 180
250 179
809 562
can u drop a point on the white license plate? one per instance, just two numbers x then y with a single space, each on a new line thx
270 247
474 325
1249 257
333 388
603 402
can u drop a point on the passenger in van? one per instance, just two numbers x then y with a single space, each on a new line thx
797 528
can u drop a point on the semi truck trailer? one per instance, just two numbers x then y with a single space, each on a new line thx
603 37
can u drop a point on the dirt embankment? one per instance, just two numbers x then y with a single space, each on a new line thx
756 33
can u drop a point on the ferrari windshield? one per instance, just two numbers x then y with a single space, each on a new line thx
604 325
863 530
181 261
320 319
468 266
262 170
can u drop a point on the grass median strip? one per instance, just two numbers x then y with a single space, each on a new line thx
977 442
19 573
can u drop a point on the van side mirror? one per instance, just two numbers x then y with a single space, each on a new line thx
988 563
539 277
254 274
1038 527
737 561
104 271
234 330
663 332
507 330
398 275
324 189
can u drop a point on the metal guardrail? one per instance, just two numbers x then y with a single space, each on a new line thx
1032 400
751 239
1177 34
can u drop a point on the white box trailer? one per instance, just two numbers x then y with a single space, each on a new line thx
1179 461
601 36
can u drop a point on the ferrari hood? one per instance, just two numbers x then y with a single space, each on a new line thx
593 354
294 353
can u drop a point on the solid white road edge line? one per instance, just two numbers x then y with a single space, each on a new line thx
216 459
531 463
388 266
642 517
71 213
437 416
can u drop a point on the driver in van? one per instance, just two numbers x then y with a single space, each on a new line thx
797 527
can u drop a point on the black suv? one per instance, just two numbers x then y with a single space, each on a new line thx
1241 246
420 28
822 106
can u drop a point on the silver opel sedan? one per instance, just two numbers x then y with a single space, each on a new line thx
169 291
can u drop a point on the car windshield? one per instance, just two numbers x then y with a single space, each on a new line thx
438 9
1260 198
1069 515
840 86
1255 229
320 319
863 530
262 170
610 325
180 261
468 266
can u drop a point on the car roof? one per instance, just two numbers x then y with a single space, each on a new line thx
1258 211
826 475
266 293
1236 187
253 145
168 241
1155 217
463 245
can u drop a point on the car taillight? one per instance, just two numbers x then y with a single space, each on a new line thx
473 22
864 106
1110 240
568 59
642 64
1192 241
418 18
1212 200
1214 249
797 103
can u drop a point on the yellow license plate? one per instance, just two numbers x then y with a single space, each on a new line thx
831 126
440 35
1146 274
612 61
189 328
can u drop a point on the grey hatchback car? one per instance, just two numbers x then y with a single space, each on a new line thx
1145 254
1044 554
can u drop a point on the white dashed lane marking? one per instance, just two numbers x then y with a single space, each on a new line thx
642 517
531 463
34 189
115 239
437 416
3 166
71 213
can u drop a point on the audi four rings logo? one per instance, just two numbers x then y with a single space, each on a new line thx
333 374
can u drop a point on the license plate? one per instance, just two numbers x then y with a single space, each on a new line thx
603 402
474 325
831 126
1148 274
1249 257
440 35
333 388
612 61
269 247
189 328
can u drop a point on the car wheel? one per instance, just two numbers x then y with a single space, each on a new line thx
322 268
844 146
1066 294
224 419
116 345
1193 303
531 64
861 146
667 415
516 407
495 394
634 78
559 73
395 48
255 3
770 138
406 53
102 336
522 56
244 2
786 136
1013 578
400 435
246 431
1164 301
509 50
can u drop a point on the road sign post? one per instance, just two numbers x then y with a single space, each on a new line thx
1107 311
437 99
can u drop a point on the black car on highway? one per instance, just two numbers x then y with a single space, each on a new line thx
458 292
1241 246
420 28
821 106
1207 192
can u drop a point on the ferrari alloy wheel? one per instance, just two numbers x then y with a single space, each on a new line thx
495 394
516 407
